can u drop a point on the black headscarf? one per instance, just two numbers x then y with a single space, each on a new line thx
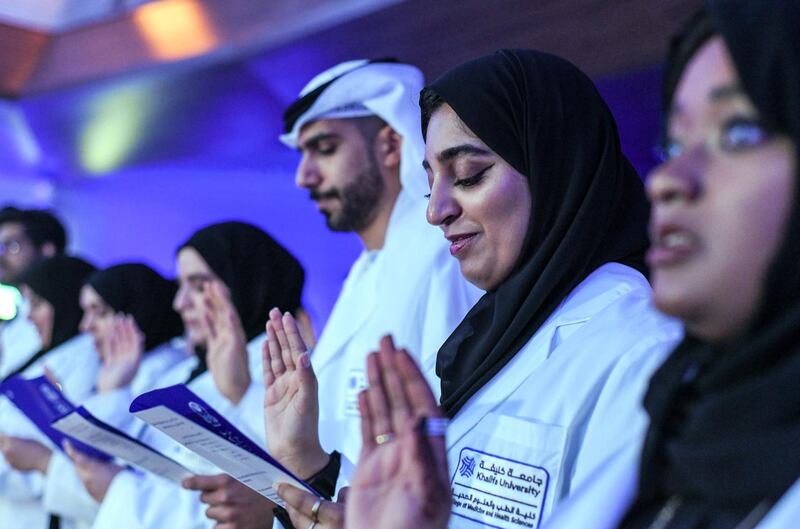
140 291
259 272
545 118
725 418
58 280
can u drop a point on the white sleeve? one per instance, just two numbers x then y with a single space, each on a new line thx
15 485
64 494
137 501
785 513
619 418
604 497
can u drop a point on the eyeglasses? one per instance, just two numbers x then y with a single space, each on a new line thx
10 247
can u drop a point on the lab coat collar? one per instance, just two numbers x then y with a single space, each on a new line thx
591 296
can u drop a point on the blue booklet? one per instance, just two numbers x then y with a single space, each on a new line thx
189 420
81 424
42 402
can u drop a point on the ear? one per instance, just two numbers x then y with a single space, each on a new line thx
48 249
388 144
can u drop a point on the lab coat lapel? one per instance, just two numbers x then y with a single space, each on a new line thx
589 297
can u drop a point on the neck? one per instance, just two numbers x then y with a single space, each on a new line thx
374 236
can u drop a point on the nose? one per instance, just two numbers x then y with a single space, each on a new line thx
181 301
678 180
307 175
443 208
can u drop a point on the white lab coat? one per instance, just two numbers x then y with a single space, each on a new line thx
18 341
412 289
64 494
142 501
75 364
567 400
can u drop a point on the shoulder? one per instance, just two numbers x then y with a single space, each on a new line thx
785 513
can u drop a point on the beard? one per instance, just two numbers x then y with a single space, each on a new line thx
359 201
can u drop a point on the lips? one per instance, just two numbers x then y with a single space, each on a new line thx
671 245
460 241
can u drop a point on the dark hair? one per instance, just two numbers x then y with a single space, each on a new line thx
429 102
40 226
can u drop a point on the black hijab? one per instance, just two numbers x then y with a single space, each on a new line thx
58 280
545 118
725 418
140 291
260 273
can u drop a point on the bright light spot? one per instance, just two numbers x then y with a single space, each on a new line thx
119 120
175 29
9 299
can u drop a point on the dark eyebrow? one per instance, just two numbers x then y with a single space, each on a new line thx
717 94
458 151
727 91
314 141
193 278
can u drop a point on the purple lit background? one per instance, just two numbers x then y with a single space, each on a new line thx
207 151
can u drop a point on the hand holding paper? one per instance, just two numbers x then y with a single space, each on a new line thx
192 422
230 503
300 505
291 407
95 475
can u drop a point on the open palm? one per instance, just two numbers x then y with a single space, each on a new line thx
291 406
123 350
401 483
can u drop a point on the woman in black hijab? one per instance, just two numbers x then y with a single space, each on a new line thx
722 448
544 118
53 286
127 309
256 273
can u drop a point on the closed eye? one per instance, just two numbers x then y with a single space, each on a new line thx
473 180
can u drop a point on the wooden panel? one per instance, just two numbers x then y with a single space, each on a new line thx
602 37
22 49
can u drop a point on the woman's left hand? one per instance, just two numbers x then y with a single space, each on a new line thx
300 505
25 455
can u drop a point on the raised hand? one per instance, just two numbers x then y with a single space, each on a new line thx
291 406
25 455
401 480
307 510
95 475
122 354
227 344
230 503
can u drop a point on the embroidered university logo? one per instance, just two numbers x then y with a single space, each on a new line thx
467 467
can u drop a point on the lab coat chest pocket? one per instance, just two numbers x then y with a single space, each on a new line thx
506 473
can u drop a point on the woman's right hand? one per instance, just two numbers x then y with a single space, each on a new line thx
291 405
122 354
401 480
